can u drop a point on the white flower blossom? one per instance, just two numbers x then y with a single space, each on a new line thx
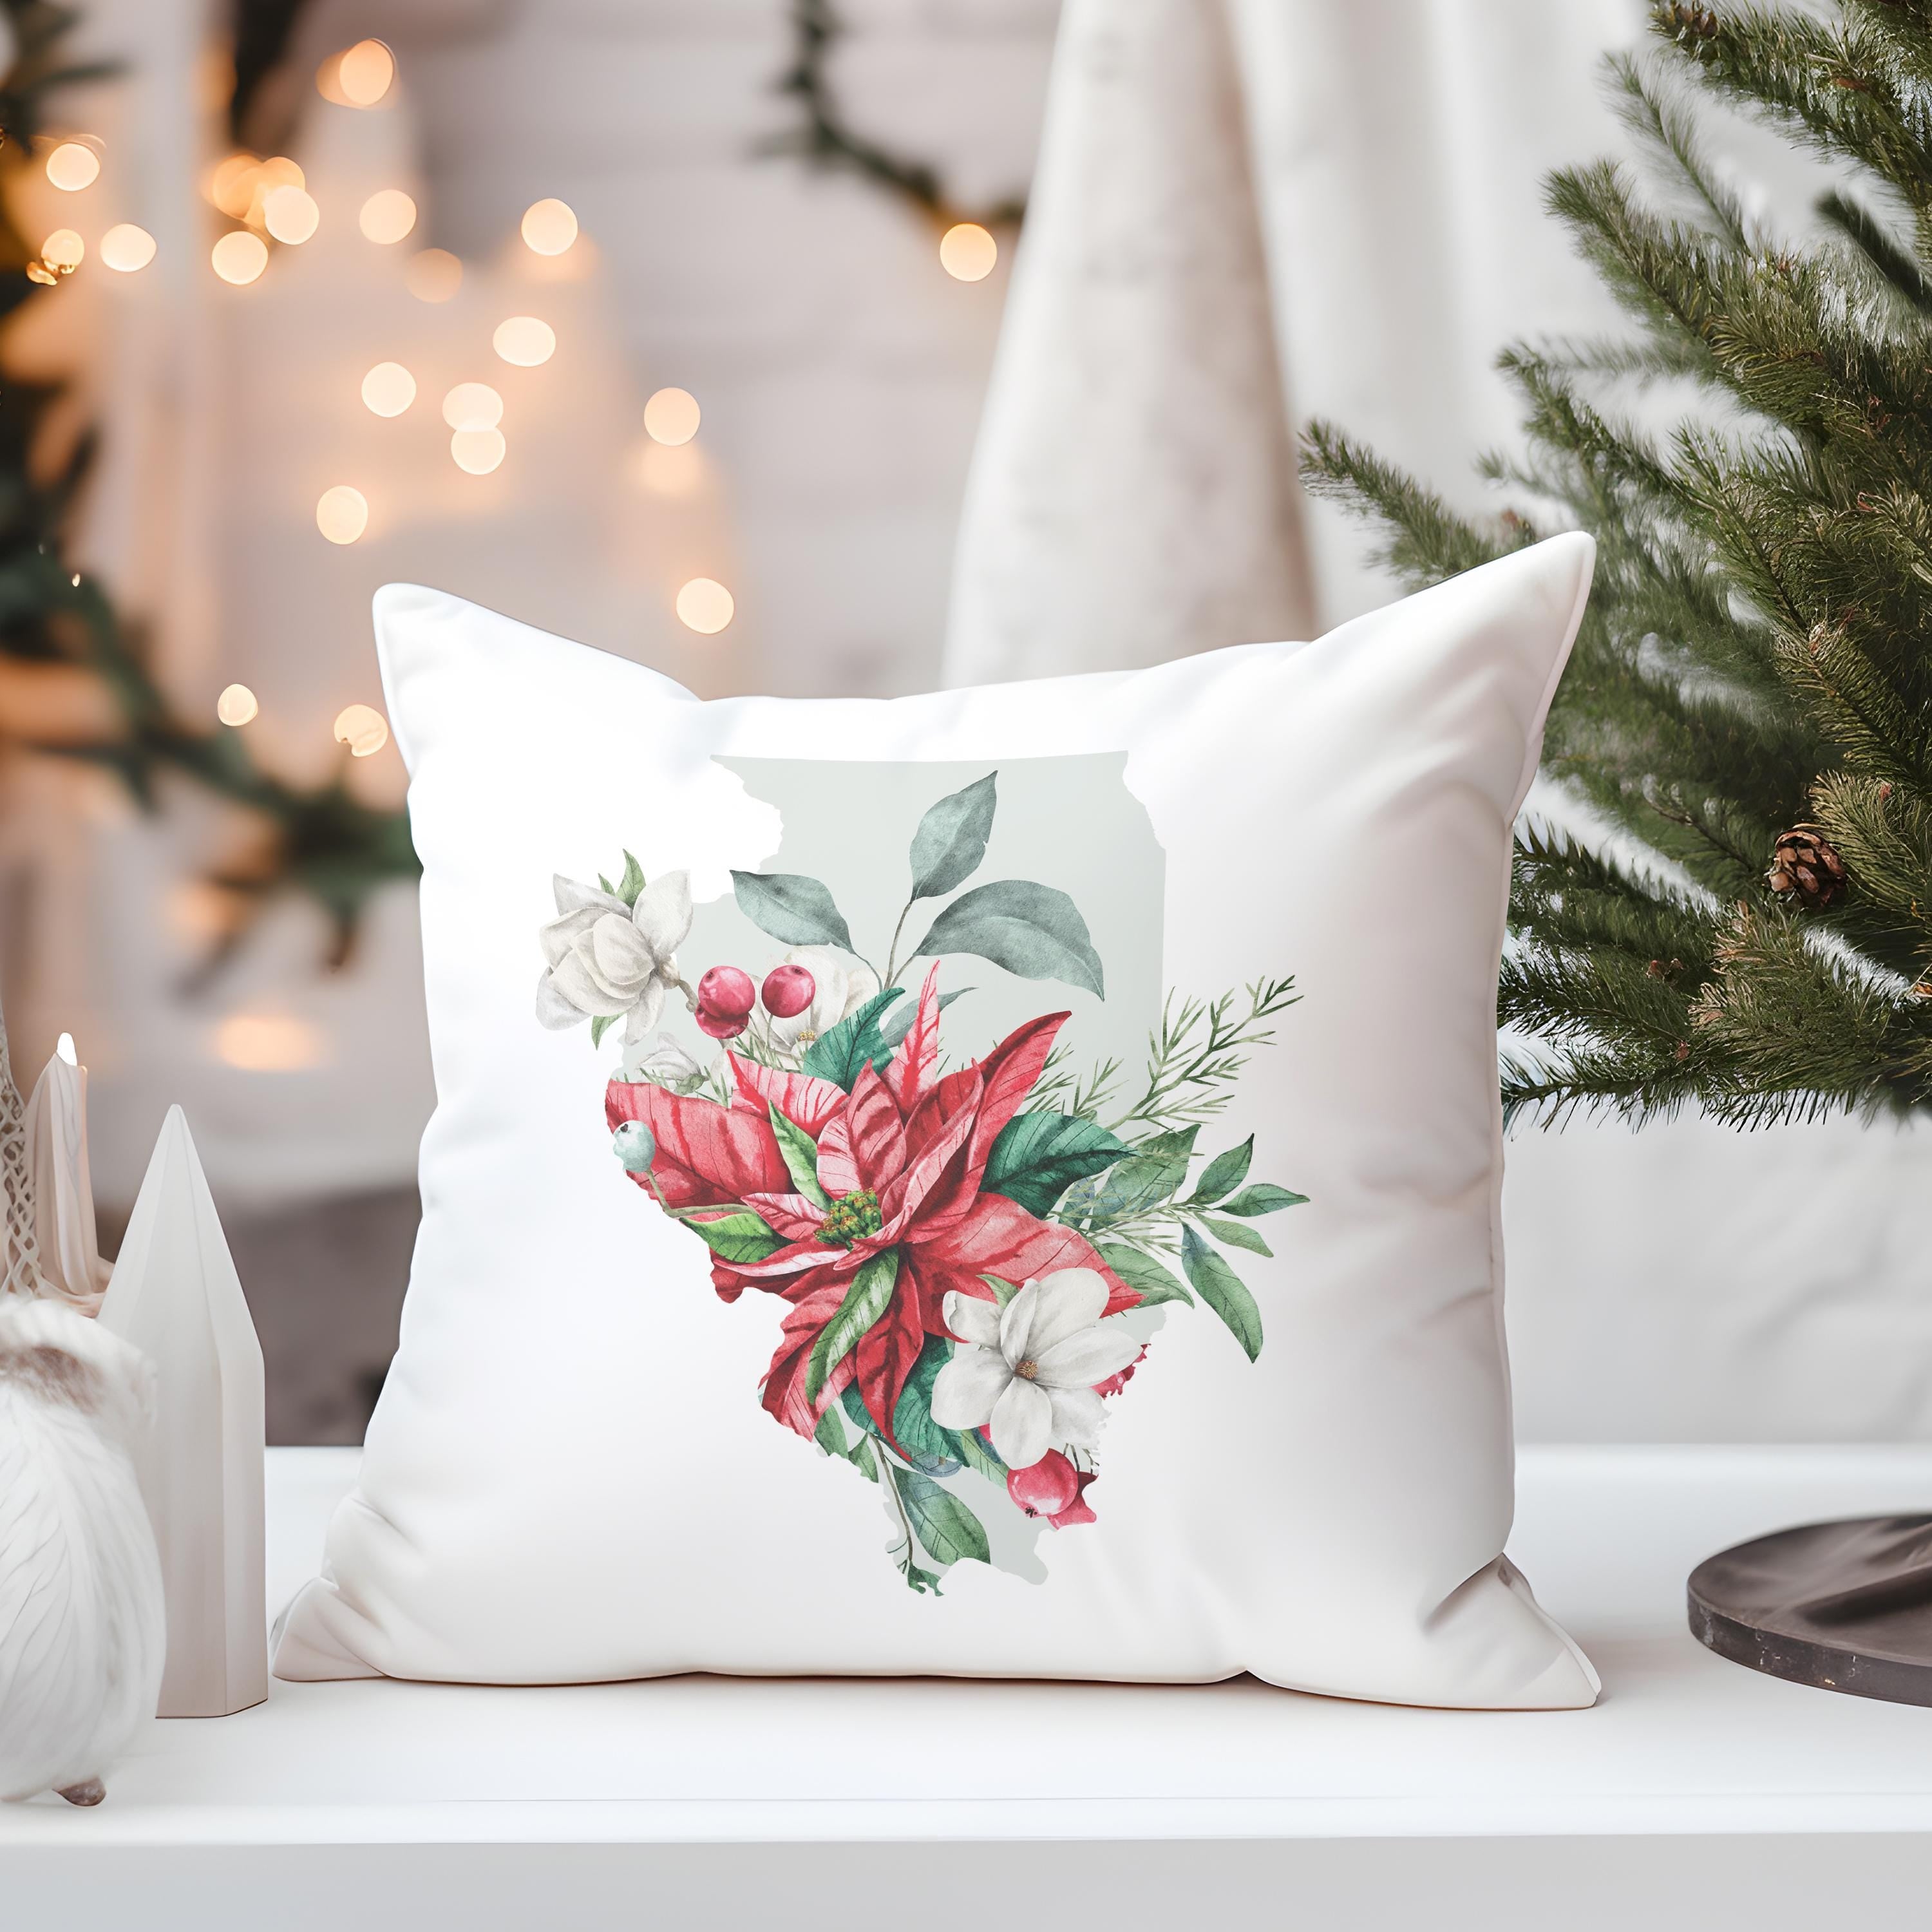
1029 1369
665 1061
608 959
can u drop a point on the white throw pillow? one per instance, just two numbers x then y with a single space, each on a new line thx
891 1331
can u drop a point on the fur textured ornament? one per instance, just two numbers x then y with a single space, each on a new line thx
82 1629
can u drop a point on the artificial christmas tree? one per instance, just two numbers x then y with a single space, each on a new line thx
1748 713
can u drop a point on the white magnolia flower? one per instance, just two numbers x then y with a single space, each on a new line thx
606 958
1030 1369
841 985
665 1061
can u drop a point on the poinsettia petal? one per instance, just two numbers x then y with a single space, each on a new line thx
970 1319
885 1356
1022 1424
965 1391
838 1171
875 1131
790 1215
706 1155
1000 1237
807 1102
784 1392
1070 1299
934 1135
1080 1360
1077 1414
1007 1075
915 1066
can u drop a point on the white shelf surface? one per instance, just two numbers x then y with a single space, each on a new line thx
730 1801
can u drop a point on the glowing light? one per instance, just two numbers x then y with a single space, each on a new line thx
705 605
388 389
63 250
387 216
268 1042
239 256
126 247
472 405
236 705
342 514
362 728
73 166
232 187
434 275
550 226
478 451
967 253
671 472
64 1047
365 73
525 341
671 416
290 215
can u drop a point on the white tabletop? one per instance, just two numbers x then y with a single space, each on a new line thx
1724 1776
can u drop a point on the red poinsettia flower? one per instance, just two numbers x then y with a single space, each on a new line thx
901 1159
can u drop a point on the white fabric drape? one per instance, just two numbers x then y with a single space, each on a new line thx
1686 1282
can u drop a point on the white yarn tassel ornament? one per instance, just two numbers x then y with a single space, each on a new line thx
62 1189
82 1626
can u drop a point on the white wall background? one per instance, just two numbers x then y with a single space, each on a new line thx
1688 1283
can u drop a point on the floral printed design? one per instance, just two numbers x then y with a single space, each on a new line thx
964 1257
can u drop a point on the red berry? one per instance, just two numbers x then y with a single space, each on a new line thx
726 990
721 1026
788 991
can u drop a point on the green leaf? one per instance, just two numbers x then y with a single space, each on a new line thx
898 1023
738 1236
1151 1175
800 1154
844 1053
862 1459
977 1454
1224 1174
791 907
866 1300
1003 1291
1033 930
1262 1198
1221 1288
949 1530
830 1434
1235 1235
951 839
632 882
912 1420
1141 1272
600 1025
1038 1156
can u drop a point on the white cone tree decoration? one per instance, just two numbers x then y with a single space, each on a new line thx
61 1189
82 1638
175 1294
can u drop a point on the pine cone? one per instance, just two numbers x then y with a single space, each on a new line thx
1805 866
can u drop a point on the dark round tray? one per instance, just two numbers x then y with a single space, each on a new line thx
1842 1605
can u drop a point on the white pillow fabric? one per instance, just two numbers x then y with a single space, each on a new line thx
763 1320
